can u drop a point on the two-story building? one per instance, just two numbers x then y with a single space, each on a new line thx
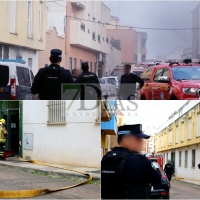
23 28
179 140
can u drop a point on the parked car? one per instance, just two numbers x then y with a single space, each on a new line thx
114 80
179 81
16 80
111 88
104 89
163 189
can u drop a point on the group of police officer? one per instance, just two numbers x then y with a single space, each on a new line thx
48 81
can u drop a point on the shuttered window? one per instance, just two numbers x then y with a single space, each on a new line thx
12 16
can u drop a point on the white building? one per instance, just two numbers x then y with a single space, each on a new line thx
62 132
114 58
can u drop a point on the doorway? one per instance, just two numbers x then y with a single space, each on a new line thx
173 158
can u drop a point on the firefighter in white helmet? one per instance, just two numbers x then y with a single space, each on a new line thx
3 136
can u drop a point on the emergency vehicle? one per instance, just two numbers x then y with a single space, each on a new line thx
16 79
174 80
156 158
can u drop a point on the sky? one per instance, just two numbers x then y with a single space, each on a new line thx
157 14
149 113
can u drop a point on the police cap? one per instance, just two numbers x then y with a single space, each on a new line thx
56 53
135 129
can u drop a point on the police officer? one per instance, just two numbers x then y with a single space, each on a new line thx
48 80
128 84
199 165
169 170
125 173
3 136
90 88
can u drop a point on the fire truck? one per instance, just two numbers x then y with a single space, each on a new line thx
156 158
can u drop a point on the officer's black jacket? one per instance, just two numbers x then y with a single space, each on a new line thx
137 172
74 79
169 168
128 83
48 80
89 78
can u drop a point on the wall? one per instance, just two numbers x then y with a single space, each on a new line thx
53 42
71 143
20 38
112 60
25 54
129 43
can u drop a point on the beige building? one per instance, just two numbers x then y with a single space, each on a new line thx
23 28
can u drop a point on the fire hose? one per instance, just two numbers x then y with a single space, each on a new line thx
32 193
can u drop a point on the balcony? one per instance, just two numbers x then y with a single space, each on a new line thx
87 39
78 4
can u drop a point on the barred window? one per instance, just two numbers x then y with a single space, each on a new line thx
57 112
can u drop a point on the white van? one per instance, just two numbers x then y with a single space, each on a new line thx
16 80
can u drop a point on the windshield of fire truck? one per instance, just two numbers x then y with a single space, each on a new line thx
186 73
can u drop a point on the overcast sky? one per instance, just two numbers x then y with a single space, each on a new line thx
157 14
149 113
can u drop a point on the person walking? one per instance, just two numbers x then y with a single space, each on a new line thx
128 82
169 170
48 80
90 86
3 137
125 172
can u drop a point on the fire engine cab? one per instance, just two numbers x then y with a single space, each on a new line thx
173 80
156 158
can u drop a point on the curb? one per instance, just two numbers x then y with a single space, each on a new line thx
70 175
186 182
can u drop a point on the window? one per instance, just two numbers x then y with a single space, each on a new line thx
170 137
40 20
29 31
91 66
70 64
30 62
4 75
23 76
182 131
158 74
190 129
107 40
75 63
166 73
177 134
198 133
93 36
186 158
80 64
147 73
82 26
56 112
179 158
193 158
12 16
72 14
99 38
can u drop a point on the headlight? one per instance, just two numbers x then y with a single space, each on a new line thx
190 90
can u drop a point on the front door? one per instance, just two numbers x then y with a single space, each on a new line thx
173 158
12 125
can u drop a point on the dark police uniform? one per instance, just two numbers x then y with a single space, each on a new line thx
128 85
48 80
169 169
74 79
126 174
90 90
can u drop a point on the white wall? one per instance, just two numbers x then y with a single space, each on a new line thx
25 54
76 143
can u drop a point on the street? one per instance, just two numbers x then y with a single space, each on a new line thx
181 190
17 180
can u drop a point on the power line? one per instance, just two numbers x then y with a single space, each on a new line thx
130 27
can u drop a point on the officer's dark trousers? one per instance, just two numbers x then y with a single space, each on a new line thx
169 175
2 146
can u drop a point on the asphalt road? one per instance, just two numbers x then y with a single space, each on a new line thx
17 180
181 190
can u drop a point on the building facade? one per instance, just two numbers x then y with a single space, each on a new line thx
87 39
196 32
179 140
114 58
50 132
142 49
23 30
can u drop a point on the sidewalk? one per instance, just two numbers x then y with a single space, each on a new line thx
14 163
194 182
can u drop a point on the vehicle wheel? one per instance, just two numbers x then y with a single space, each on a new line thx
167 196
173 98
